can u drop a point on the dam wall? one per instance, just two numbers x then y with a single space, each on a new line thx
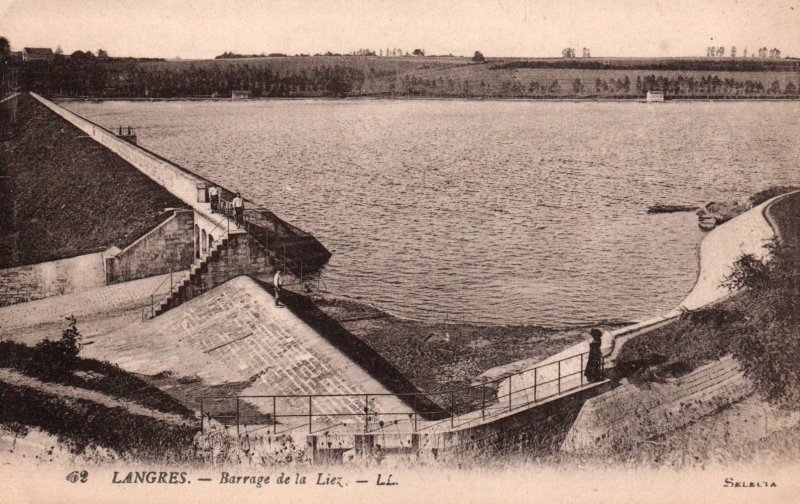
177 181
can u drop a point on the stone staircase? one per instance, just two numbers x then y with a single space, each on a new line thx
192 285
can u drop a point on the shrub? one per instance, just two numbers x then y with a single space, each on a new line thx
51 359
749 272
770 354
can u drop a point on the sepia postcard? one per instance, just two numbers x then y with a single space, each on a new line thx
421 251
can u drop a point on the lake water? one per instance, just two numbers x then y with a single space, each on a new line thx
492 212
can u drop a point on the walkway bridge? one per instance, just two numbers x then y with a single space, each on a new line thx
538 405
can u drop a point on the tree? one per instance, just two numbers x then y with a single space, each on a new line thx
478 57
418 52
577 86
733 51
720 51
568 52
5 47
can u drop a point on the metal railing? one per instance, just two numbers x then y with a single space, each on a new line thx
293 411
276 236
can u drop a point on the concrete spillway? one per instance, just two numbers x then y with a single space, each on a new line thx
235 333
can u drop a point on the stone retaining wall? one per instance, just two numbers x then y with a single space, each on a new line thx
629 414
165 247
52 278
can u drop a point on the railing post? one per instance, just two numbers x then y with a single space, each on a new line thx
581 371
237 417
152 311
202 418
309 414
274 415
415 412
535 382
170 280
559 377
366 413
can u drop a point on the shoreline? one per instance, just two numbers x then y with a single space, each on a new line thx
636 99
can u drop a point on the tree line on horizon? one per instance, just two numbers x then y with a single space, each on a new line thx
622 87
84 75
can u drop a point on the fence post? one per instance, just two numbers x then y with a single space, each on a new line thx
274 415
309 414
581 370
237 417
535 382
152 312
202 418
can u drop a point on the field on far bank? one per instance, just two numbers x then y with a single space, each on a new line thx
417 76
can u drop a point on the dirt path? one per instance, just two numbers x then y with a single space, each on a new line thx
14 378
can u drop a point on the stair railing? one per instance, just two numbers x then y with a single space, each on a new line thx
178 267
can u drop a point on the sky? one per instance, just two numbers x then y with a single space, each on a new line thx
537 28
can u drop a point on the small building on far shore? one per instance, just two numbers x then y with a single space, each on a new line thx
240 94
37 54
655 96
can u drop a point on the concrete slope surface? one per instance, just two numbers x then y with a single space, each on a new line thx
236 334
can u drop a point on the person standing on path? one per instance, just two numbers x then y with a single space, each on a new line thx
594 366
277 281
238 209
213 195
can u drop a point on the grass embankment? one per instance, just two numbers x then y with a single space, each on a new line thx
64 195
103 406
760 326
